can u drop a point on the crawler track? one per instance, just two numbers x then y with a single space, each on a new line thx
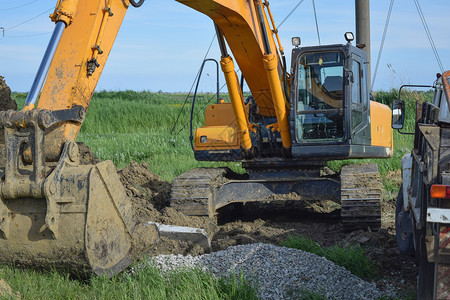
360 197
192 191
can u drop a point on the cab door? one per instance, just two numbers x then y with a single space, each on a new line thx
359 101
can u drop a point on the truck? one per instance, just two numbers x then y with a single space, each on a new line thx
423 204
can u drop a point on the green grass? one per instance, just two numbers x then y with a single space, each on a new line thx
148 283
353 258
236 286
127 126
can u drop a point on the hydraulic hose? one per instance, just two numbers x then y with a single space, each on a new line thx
191 135
286 92
137 4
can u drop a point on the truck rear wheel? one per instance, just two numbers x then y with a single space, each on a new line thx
404 237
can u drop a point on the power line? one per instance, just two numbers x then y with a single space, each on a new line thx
11 8
281 23
386 25
317 23
25 36
430 38
35 17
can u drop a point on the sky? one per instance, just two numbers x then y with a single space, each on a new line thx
161 45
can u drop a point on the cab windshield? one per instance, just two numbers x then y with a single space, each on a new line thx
320 97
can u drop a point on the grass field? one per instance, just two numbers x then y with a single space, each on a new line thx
353 258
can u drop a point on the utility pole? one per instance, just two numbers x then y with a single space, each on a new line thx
362 12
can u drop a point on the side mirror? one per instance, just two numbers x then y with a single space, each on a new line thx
398 114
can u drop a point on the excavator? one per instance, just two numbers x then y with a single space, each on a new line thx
292 124
56 212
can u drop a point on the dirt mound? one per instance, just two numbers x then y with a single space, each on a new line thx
149 195
142 185
87 157
6 102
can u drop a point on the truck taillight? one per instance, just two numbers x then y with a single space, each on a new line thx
440 191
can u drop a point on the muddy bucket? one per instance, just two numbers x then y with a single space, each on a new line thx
77 217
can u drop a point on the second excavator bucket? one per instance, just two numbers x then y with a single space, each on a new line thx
69 216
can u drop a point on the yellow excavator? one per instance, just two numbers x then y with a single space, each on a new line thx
290 126
56 212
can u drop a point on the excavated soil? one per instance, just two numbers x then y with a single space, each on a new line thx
6 102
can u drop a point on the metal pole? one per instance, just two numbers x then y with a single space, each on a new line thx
362 12
45 63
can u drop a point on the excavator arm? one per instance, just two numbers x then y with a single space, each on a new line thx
240 24
84 35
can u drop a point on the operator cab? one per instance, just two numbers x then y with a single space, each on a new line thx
330 107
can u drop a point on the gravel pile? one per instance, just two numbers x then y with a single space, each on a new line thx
277 272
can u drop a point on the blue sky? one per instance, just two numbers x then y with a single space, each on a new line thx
162 44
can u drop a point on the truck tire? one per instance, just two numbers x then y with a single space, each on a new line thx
405 239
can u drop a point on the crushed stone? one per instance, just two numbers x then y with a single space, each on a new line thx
275 272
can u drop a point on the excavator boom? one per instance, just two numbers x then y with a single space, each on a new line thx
246 28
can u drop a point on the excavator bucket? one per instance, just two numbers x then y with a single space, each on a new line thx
68 215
